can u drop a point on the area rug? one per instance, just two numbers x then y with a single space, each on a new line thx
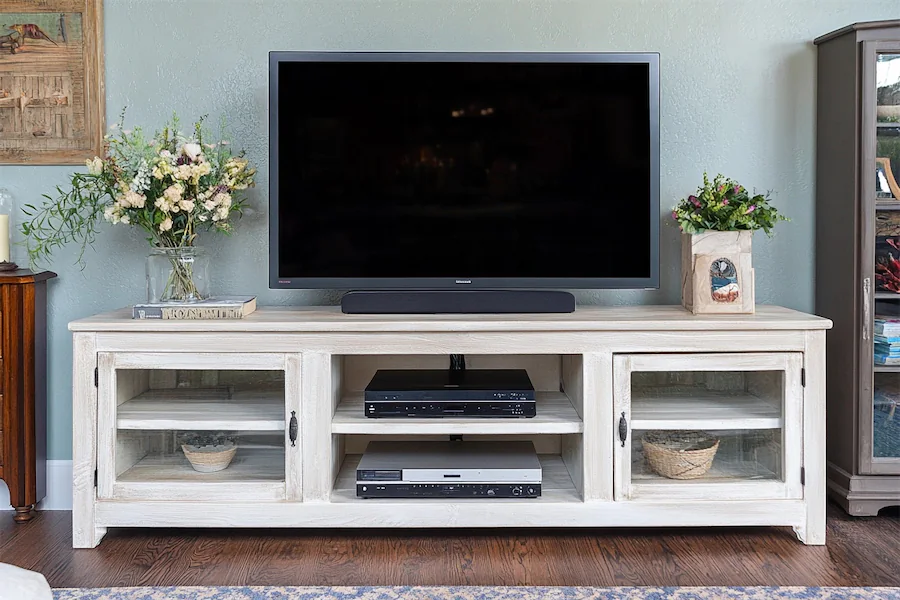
478 593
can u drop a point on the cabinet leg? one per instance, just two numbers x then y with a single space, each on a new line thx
24 513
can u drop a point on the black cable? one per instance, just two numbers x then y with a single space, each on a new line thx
457 362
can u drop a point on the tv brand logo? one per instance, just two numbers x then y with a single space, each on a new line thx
463 281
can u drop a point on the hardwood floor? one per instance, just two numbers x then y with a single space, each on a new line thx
860 552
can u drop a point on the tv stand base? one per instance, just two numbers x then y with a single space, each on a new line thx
408 302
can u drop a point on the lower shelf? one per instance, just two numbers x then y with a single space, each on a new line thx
557 486
249 464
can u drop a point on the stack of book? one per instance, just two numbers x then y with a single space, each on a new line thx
887 340
220 307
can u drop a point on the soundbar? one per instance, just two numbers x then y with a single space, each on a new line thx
447 490
386 302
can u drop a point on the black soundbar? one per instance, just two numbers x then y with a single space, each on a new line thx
447 490
384 302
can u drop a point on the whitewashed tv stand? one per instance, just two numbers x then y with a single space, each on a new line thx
755 382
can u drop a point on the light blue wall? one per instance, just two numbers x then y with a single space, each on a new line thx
738 96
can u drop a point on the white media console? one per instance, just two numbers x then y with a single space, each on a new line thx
755 382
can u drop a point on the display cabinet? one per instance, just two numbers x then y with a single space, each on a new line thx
858 258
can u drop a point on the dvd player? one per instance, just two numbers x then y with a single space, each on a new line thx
449 470
449 393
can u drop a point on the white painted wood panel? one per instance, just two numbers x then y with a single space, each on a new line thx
705 410
86 531
444 343
187 409
293 458
107 402
199 361
430 514
812 531
316 410
556 485
585 318
555 414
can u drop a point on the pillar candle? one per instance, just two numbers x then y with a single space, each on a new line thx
4 238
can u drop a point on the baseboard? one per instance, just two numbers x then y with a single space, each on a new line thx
59 488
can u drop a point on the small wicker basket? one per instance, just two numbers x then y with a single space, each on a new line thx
212 458
680 454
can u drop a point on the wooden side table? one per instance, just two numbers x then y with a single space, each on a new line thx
23 388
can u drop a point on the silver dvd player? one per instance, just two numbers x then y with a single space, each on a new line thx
449 469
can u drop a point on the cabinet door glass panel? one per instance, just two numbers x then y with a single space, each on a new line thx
885 423
198 434
708 434
709 425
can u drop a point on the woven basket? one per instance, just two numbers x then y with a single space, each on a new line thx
209 459
680 454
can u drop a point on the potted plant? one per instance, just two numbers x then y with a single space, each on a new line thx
717 225
172 185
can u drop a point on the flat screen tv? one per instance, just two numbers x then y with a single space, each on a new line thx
491 171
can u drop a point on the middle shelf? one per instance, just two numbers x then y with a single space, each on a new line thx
555 415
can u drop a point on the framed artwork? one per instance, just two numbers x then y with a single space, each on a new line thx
52 99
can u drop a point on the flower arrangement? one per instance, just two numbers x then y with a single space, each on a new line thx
725 205
172 185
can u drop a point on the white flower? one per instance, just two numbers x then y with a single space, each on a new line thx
109 213
173 193
221 213
94 166
192 151
165 153
203 217
166 225
209 204
125 219
222 199
187 205
134 199
162 204
182 172
210 146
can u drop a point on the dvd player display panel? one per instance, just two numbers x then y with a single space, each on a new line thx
493 393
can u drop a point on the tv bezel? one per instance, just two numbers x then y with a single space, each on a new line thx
651 59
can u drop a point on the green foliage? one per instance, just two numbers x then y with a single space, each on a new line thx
724 205
171 185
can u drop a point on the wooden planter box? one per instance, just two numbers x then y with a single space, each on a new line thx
717 272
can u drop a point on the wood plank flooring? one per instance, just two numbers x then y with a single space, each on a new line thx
860 552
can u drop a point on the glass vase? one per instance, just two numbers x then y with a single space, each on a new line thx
177 275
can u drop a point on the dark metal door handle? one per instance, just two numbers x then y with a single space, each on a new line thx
292 429
623 429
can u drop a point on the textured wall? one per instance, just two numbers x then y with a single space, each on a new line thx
738 96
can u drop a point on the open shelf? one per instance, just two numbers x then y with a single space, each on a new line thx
555 415
191 409
556 486
704 409
253 464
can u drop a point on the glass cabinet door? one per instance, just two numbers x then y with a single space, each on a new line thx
880 361
708 426
195 428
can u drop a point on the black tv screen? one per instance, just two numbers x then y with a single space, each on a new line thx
440 170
